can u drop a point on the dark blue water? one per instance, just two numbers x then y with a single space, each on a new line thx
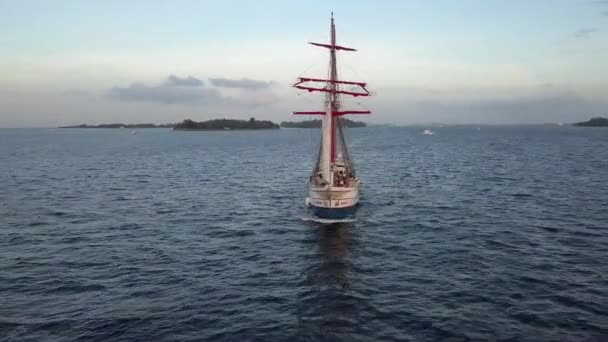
499 234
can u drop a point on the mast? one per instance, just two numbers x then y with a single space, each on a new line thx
334 104
332 111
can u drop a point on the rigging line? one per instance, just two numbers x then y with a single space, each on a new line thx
305 71
302 96
357 75
309 67
358 78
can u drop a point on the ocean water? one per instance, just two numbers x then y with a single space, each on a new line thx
497 234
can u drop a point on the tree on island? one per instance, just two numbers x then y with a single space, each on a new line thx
594 122
317 123
220 124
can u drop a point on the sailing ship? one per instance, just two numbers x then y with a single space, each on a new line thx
333 186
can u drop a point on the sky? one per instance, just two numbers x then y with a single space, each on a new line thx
456 62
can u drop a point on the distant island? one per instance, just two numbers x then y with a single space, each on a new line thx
224 124
317 124
120 125
594 122
190 125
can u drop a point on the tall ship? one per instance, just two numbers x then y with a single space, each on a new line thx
333 186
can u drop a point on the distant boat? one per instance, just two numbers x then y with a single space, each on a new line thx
133 132
333 186
428 132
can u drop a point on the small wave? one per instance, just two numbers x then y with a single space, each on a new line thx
326 221
77 288
165 211
521 195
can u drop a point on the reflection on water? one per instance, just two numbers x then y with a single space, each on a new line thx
328 307
333 245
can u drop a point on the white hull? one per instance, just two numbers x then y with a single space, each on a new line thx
333 197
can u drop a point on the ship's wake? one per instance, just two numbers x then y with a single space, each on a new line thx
327 221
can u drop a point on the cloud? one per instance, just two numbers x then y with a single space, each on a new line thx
255 99
189 90
173 90
243 83
601 3
189 81
552 105
585 32
78 93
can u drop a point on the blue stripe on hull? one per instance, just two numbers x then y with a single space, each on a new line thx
334 213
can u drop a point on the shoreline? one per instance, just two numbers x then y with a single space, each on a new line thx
225 129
